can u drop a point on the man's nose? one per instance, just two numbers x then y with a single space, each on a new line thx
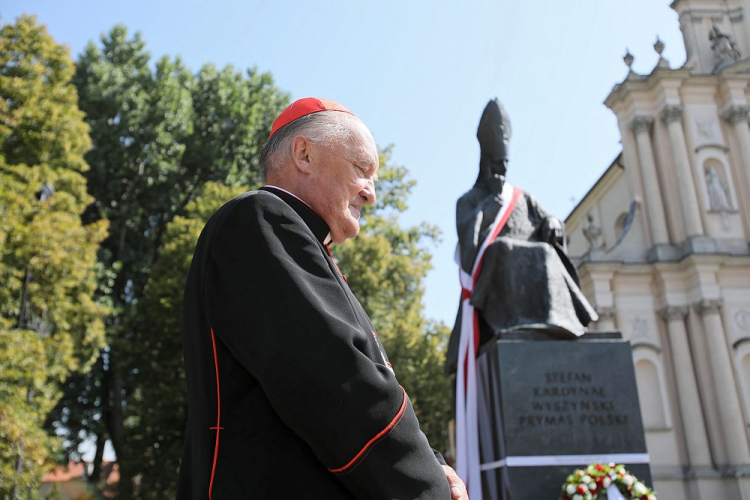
368 192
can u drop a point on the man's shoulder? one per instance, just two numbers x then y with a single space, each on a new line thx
251 206
258 200
247 216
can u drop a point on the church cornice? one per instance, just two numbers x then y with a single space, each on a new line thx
644 83
680 265
648 83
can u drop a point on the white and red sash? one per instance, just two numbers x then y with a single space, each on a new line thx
467 428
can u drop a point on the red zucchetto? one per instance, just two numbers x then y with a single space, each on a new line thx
304 107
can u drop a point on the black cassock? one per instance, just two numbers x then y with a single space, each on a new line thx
290 393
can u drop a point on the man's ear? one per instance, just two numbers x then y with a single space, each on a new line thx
301 149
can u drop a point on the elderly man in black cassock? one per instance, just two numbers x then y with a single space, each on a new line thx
290 393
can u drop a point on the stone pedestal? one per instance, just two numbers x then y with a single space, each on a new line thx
548 407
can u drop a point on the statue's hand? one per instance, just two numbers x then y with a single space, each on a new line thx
551 231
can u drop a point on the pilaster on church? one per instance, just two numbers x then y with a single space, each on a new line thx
671 115
641 127
739 117
696 439
725 387
607 318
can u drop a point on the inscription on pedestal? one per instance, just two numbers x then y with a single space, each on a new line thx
569 398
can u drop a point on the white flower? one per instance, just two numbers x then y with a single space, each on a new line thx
640 489
606 482
570 489
577 497
586 479
652 497
627 479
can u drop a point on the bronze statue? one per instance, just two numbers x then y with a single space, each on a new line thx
523 279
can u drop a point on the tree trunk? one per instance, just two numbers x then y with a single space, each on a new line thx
114 421
96 471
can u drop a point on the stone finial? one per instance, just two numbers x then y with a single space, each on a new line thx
671 113
628 58
641 124
659 48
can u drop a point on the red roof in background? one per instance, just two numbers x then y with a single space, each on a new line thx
77 470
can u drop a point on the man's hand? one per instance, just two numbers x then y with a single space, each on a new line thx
458 490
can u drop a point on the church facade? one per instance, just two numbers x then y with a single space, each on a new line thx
661 242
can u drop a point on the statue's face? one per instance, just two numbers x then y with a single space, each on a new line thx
499 153
494 135
496 175
498 156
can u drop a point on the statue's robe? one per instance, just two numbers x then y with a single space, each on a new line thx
527 280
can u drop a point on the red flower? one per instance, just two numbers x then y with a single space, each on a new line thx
581 489
599 467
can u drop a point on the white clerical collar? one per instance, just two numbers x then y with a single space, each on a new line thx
328 239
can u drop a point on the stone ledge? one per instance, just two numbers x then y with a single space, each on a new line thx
682 473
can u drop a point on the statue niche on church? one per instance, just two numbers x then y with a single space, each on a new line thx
515 274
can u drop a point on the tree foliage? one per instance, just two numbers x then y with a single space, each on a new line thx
159 135
50 324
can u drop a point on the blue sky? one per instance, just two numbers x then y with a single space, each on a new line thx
419 74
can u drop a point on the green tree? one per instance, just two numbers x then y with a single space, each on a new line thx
157 410
158 136
50 324
385 266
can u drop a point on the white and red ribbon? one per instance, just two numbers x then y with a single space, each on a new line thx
467 427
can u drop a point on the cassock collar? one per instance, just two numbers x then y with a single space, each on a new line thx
314 221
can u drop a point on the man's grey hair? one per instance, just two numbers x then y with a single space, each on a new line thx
323 127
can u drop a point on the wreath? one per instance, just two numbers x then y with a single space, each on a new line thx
604 481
